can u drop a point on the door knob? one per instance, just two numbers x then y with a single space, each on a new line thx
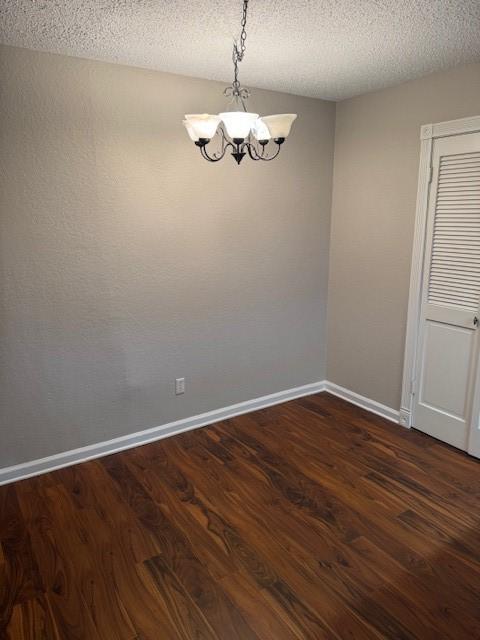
475 321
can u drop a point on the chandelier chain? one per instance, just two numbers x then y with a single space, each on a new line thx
239 50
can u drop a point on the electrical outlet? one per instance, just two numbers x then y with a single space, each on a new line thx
179 386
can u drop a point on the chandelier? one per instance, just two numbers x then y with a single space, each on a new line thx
237 128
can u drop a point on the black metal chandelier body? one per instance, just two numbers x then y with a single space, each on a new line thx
237 130
240 147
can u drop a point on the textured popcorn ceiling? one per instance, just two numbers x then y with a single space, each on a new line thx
330 49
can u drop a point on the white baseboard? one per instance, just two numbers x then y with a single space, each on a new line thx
361 401
74 456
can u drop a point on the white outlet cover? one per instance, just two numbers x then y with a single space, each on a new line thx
179 386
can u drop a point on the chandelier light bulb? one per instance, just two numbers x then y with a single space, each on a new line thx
203 125
260 130
279 125
193 136
238 123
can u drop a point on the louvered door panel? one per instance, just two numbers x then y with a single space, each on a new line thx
455 263
448 336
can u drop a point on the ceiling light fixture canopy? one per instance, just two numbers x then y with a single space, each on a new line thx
237 128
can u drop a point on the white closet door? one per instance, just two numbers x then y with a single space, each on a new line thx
448 340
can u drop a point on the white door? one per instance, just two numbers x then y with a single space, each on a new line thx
446 383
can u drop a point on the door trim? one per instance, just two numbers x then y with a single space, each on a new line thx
428 133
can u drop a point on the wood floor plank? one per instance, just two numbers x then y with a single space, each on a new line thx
32 620
296 487
263 613
335 569
430 504
89 549
396 468
261 577
50 544
181 558
284 563
93 492
210 546
441 461
20 579
143 602
309 520
184 615
404 495
456 619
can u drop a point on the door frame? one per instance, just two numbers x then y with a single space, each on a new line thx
428 133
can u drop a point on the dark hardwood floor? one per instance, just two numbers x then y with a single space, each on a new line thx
311 519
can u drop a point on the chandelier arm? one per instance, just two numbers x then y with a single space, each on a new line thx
262 156
217 156
267 159
225 140
252 151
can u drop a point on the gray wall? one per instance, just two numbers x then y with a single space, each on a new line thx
128 261
377 150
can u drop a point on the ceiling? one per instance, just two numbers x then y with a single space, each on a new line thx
331 49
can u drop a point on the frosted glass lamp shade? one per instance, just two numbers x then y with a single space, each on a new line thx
279 125
203 125
238 123
260 130
190 131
